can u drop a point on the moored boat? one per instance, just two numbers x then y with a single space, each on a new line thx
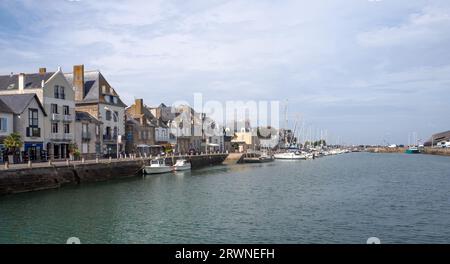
182 165
157 166
290 156
412 150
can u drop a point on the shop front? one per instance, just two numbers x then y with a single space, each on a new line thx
33 151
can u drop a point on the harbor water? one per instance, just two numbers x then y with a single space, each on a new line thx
346 198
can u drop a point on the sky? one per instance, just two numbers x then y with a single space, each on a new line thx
366 71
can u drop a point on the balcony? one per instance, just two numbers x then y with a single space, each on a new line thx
56 117
55 136
85 135
33 132
68 118
110 137
68 136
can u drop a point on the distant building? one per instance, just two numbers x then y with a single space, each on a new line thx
89 135
245 141
24 114
436 138
140 129
164 116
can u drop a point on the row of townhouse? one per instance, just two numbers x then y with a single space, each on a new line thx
56 113
180 129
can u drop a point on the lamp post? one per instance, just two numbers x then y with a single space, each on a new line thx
117 139
203 133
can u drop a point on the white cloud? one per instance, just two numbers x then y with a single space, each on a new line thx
425 27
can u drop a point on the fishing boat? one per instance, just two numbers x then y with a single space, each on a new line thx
182 165
412 150
157 166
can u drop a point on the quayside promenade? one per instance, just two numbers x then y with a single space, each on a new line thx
18 178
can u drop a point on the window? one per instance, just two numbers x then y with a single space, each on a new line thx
115 100
66 110
33 119
56 91
108 132
115 132
84 148
62 94
84 128
3 124
54 108
55 128
107 98
66 128
108 115
116 115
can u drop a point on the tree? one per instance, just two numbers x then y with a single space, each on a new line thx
13 142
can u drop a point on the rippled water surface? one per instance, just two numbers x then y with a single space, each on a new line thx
339 199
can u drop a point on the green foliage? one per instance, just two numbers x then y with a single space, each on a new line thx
13 142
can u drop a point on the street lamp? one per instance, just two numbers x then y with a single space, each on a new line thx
117 139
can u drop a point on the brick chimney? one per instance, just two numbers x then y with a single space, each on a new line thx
139 106
139 110
42 71
21 82
78 82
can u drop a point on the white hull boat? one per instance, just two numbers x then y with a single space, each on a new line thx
157 166
182 165
289 156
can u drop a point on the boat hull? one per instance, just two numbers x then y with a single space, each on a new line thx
157 170
289 156
182 167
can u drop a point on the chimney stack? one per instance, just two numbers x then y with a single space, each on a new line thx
139 110
21 82
139 106
42 71
78 82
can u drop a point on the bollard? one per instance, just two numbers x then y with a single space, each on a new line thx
82 160
110 159
50 163
96 160
67 162
30 165
6 165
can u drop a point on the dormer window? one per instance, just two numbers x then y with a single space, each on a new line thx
107 99
114 99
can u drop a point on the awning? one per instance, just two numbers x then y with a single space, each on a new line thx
142 146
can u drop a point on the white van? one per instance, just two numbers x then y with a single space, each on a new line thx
443 144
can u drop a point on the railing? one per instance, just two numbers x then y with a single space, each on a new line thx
68 118
85 135
33 132
109 137
55 136
56 117
68 136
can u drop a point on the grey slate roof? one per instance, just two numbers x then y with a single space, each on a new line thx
92 87
33 80
4 108
84 116
19 102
